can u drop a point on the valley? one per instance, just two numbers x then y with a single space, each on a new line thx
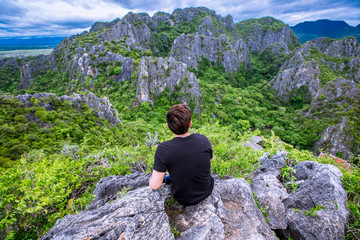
83 111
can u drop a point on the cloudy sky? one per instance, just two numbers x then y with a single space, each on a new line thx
21 18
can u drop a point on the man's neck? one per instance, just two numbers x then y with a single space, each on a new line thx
183 135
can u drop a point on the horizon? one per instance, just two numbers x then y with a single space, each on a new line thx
61 18
41 37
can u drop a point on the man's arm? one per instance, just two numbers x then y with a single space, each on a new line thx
156 179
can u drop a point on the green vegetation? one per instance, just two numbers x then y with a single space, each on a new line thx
166 34
266 23
51 160
288 178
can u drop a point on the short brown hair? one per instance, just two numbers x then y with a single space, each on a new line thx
178 118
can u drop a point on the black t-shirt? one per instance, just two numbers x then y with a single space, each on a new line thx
188 162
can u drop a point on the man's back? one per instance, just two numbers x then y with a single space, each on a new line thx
188 161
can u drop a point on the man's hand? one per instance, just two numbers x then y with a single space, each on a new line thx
156 179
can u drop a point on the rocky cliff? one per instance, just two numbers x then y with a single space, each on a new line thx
190 49
314 64
101 106
267 34
230 212
160 74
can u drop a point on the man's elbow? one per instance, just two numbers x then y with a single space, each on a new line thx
153 185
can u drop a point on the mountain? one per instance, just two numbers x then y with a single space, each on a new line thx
310 30
240 79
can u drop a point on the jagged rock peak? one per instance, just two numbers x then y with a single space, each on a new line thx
190 49
131 26
302 70
101 106
348 47
297 74
160 74
101 25
262 33
189 14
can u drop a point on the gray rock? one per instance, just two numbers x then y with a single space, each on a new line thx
270 192
354 69
335 93
157 75
107 188
295 73
348 47
138 215
191 48
288 213
181 16
321 185
103 25
131 25
101 106
259 39
229 212
336 139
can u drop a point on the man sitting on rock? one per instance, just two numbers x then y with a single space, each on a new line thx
187 159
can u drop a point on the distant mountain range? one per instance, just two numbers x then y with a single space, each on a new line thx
325 28
306 31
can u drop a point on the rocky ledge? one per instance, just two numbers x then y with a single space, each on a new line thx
101 106
230 212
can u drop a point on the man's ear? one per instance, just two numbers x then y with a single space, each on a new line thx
190 124
167 125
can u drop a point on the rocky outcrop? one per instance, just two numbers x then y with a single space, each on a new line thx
101 106
316 210
294 74
348 47
126 208
103 25
270 192
336 139
110 188
340 92
31 69
338 96
131 26
188 15
191 48
303 68
160 74
161 17
259 36
229 212
320 187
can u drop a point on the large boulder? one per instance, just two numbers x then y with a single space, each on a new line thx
321 189
316 210
270 192
230 212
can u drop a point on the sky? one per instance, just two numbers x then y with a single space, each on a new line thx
45 18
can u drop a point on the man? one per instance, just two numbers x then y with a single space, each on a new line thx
187 159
